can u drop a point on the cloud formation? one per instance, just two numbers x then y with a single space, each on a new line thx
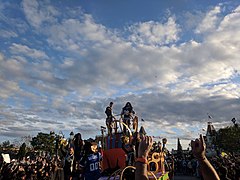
60 70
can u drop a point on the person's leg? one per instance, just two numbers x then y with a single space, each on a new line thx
110 127
124 128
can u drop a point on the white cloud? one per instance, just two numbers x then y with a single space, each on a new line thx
78 35
8 88
26 51
155 33
8 34
37 13
210 21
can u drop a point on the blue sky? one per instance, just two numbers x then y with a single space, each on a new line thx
62 62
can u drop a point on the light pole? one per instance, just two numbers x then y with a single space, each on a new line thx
71 138
164 141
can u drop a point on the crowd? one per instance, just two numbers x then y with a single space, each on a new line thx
86 164
226 165
79 160
39 167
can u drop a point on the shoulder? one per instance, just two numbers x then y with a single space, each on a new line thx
108 108
83 160
99 155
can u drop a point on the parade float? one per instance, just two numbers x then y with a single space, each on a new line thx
118 163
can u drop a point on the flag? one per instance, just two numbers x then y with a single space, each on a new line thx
210 117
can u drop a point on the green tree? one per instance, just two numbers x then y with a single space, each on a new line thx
24 139
43 142
7 145
228 139
22 151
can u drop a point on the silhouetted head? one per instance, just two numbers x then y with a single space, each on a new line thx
90 147
78 136
128 104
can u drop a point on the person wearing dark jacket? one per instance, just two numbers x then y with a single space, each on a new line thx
110 117
69 164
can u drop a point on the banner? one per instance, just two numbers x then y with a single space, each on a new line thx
6 158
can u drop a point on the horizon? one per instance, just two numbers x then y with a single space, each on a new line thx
170 145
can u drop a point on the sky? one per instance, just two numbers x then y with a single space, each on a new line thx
62 62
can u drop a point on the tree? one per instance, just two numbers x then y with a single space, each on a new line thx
7 145
228 139
43 142
22 151
24 139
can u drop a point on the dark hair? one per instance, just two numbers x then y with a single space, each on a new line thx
111 102
87 148
78 135
129 104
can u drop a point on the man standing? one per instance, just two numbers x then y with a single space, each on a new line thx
69 167
109 119
90 163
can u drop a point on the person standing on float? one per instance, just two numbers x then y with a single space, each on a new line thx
127 114
110 117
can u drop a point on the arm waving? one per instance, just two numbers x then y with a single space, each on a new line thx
199 151
141 165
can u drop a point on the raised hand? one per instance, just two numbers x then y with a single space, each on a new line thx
144 146
199 151
199 148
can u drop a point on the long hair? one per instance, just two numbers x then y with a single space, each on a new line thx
128 106
78 142
87 148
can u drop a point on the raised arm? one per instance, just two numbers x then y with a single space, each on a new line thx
199 151
141 161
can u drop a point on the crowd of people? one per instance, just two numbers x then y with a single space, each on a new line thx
79 159
227 166
40 167
88 165
82 159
